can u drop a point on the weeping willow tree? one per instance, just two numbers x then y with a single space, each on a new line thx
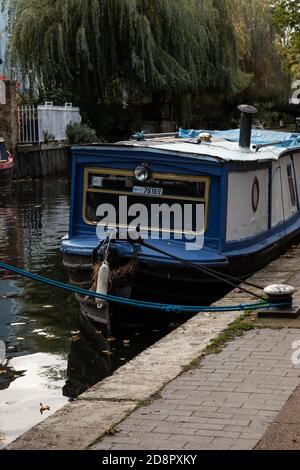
107 55
159 45
99 51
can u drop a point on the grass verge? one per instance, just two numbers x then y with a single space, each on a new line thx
234 330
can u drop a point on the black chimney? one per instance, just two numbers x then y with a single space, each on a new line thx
246 124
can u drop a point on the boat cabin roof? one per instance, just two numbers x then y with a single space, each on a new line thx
224 145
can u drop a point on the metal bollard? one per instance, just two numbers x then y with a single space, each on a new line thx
279 294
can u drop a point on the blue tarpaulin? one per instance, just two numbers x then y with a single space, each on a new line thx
259 137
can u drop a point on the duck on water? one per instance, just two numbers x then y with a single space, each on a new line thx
227 200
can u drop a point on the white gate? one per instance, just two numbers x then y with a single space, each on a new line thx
35 122
54 119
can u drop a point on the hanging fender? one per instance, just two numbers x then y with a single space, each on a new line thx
103 282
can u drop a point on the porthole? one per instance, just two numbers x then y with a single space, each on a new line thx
255 194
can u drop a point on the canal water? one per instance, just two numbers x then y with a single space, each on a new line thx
52 354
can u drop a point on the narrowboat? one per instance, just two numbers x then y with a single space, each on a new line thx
227 200
6 166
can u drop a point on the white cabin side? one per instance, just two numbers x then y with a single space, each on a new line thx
245 219
253 208
285 200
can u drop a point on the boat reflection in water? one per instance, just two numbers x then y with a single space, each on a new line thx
94 355
89 359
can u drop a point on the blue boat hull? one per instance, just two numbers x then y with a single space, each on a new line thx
165 283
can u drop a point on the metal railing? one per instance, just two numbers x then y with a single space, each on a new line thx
35 121
28 124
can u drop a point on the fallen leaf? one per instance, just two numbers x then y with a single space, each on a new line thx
44 408
111 431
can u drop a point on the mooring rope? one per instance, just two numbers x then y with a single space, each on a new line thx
225 278
139 303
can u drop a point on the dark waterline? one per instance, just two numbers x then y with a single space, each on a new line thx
52 353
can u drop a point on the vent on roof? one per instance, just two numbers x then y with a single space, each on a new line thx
246 125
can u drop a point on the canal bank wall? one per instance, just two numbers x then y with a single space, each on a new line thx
138 395
42 160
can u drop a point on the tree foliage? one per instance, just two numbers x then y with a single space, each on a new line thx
259 52
286 16
80 134
111 53
151 45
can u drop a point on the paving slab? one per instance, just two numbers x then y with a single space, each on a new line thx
284 432
239 415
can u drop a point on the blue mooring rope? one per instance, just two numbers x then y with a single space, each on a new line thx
139 303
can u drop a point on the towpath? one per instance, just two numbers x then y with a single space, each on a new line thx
227 402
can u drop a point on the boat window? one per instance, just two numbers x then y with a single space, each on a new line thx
192 189
105 186
291 184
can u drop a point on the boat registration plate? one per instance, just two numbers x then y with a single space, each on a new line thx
97 181
147 191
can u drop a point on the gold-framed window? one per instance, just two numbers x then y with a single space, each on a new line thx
104 185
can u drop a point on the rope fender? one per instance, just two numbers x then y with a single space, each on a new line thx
168 308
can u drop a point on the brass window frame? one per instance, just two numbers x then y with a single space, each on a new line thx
155 175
